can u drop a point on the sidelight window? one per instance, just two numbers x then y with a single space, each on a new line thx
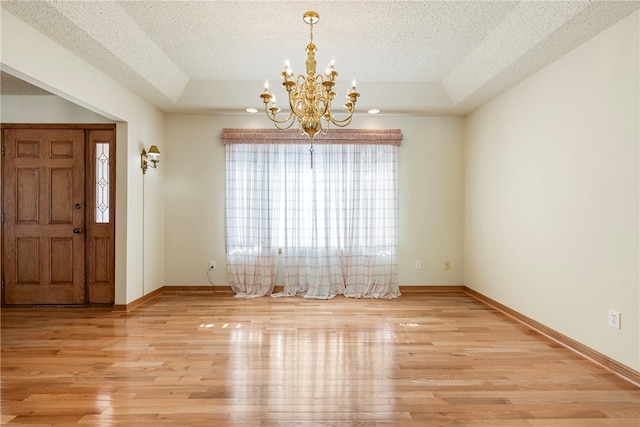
102 182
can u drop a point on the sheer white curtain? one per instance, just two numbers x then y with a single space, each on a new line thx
250 215
336 224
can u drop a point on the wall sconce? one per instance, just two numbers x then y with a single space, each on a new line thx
149 159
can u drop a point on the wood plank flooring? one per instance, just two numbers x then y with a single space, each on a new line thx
209 359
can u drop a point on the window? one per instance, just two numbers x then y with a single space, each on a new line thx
102 182
336 223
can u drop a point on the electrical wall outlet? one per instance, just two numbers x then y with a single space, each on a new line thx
614 319
212 264
418 265
447 265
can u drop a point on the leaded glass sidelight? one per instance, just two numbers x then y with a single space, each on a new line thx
102 182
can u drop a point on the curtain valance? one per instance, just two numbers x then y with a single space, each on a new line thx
293 136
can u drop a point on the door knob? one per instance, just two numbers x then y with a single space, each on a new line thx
77 230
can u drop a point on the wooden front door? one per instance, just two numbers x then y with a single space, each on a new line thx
44 202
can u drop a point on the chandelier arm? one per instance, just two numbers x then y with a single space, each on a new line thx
276 121
325 128
295 94
292 101
284 127
323 94
326 104
343 123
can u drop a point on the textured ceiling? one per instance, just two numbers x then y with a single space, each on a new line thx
409 57
10 85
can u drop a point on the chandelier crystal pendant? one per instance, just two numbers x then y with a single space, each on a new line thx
310 97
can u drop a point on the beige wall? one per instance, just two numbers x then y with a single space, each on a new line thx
552 195
430 196
45 109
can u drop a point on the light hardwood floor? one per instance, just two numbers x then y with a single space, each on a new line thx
209 359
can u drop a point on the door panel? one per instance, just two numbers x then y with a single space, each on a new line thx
61 191
27 260
61 261
27 202
43 202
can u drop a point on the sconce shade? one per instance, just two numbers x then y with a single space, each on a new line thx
149 159
154 153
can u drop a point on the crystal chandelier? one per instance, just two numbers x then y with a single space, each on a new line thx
310 97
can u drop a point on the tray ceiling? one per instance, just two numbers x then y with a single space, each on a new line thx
409 57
